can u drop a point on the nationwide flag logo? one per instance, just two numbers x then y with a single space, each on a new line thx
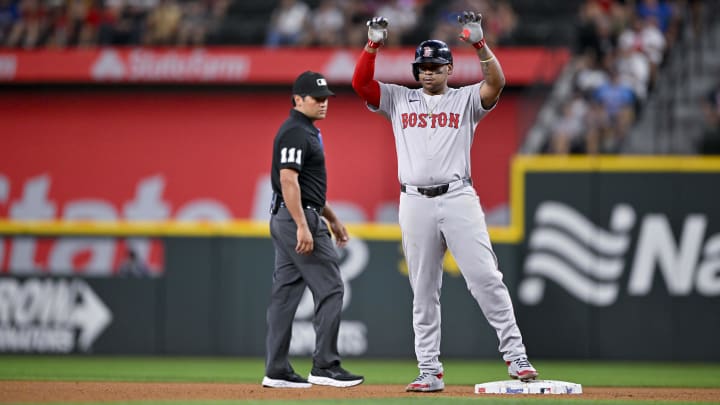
569 250
588 261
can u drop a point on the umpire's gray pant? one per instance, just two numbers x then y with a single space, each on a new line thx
319 271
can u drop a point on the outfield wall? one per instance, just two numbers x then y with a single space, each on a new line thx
606 258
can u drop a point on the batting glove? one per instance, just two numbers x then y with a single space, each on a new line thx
377 31
472 29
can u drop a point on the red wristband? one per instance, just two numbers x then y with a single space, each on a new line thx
374 45
479 44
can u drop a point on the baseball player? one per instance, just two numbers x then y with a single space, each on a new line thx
439 209
304 254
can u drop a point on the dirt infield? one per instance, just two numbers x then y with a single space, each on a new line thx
53 391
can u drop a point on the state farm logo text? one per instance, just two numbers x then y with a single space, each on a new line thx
183 66
28 255
587 261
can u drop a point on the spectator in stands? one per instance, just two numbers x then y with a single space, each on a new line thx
163 24
29 26
60 29
599 131
9 15
403 15
499 14
595 32
634 70
123 23
194 23
659 9
644 37
87 17
289 24
710 141
357 13
446 28
504 22
618 101
589 74
569 130
328 22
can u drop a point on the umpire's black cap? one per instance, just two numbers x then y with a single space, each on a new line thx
311 84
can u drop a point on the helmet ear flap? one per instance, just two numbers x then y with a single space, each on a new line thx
416 72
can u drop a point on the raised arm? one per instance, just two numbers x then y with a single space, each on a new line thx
492 71
363 81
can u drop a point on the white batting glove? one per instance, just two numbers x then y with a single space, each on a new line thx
472 29
377 31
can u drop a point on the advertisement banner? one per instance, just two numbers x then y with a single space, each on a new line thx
205 156
623 260
255 65
50 315
84 256
618 258
212 301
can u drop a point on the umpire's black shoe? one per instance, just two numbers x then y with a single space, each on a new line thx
288 380
334 376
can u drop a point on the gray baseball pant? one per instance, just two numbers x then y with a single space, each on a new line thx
293 272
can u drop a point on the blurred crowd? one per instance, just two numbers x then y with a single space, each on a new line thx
621 45
85 23
619 48
342 22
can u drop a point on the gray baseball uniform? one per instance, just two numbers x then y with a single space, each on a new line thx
433 139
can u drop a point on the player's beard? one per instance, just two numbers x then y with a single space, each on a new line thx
434 86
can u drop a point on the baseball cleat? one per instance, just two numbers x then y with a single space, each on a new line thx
427 382
334 376
289 380
521 369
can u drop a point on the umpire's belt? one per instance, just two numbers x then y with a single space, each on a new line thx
307 206
436 190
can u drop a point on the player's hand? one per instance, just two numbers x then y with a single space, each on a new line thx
305 243
341 234
471 27
377 30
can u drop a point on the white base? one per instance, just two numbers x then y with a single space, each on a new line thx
530 387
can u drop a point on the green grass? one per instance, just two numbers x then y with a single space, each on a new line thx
250 370
458 372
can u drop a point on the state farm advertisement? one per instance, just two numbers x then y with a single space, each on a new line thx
522 66
195 155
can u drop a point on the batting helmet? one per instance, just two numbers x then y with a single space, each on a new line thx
431 51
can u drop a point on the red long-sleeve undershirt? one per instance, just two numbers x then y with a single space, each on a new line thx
363 83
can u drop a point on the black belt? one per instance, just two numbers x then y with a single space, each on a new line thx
434 191
308 206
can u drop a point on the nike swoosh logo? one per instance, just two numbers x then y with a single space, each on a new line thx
411 101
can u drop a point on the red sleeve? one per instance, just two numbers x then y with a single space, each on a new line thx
363 83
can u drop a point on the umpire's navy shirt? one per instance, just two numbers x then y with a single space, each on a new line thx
298 146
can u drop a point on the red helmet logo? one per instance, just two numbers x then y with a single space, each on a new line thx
427 52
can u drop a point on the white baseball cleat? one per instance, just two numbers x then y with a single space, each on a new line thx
427 382
289 380
521 369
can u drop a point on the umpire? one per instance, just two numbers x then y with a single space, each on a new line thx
304 254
